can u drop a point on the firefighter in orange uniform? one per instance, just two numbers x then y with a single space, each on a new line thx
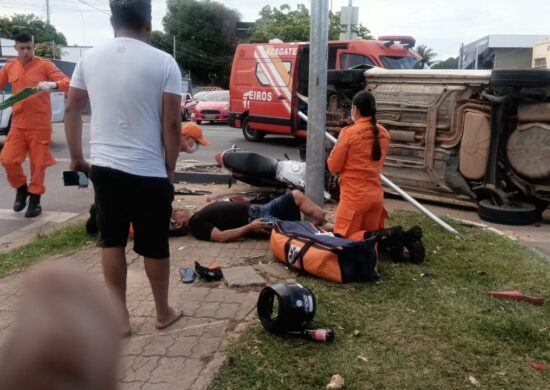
31 123
358 157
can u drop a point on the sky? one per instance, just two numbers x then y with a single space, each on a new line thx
441 24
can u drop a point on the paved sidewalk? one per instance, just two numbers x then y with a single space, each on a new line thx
187 354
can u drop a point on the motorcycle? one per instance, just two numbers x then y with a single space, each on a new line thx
263 171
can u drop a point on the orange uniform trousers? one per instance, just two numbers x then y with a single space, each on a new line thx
361 207
35 142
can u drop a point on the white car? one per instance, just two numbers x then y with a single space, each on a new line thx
58 108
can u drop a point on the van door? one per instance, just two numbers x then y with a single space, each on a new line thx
269 101
58 106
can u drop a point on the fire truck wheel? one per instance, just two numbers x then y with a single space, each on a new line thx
251 134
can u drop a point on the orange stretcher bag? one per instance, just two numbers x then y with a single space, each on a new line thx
303 247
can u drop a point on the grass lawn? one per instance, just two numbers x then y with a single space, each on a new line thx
414 332
60 241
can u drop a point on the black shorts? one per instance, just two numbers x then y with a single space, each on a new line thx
145 202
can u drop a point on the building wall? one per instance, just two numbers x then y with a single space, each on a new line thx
513 58
541 55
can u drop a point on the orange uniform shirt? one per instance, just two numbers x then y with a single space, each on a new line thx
34 112
351 157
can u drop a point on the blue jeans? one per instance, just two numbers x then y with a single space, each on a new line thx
282 208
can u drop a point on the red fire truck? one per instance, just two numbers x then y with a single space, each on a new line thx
270 80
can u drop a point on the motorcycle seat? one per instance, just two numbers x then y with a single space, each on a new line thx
251 163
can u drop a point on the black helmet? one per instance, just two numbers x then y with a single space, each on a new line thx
296 307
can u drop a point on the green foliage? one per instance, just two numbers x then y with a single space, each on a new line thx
205 38
449 63
291 25
33 25
426 53
428 326
47 50
61 241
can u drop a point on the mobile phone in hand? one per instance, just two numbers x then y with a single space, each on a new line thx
75 178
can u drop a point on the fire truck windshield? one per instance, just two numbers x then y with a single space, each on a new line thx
398 62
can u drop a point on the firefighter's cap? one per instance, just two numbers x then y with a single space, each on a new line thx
193 130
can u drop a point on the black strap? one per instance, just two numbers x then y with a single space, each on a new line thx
300 255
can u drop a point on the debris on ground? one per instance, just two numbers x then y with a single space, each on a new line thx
473 380
540 366
516 296
336 382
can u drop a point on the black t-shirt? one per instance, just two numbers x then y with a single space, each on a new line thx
221 215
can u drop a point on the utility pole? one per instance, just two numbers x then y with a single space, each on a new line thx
349 17
174 46
349 27
317 101
47 12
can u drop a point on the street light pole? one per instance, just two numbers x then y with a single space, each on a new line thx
317 101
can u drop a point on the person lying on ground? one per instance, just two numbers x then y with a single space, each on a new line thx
229 221
66 334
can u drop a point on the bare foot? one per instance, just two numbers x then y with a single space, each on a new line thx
172 317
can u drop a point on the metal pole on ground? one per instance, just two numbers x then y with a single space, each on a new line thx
317 106
397 189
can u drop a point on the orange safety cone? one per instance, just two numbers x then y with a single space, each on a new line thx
516 296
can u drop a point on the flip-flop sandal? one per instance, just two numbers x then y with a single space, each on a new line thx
187 275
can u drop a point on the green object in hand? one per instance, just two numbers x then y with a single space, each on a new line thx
19 96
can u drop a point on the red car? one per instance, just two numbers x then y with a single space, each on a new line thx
212 107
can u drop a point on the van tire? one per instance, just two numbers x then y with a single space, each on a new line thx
513 213
520 77
198 122
250 134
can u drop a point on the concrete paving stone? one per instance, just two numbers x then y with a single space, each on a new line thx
223 294
216 329
133 346
227 310
131 385
206 346
124 363
248 244
197 326
206 309
176 371
247 306
157 386
158 345
182 346
243 276
209 372
195 294
276 271
141 369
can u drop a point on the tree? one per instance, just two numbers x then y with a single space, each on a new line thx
205 38
48 50
449 63
426 53
33 25
293 25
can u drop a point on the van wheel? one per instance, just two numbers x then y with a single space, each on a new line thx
251 134
512 213
198 122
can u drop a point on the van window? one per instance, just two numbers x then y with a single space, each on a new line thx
349 60
283 78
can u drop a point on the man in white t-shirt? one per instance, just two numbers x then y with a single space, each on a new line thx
134 91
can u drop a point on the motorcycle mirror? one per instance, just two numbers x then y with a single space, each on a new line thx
286 156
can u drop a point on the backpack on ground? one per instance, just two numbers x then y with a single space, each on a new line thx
305 248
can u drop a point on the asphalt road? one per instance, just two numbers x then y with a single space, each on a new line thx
62 203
